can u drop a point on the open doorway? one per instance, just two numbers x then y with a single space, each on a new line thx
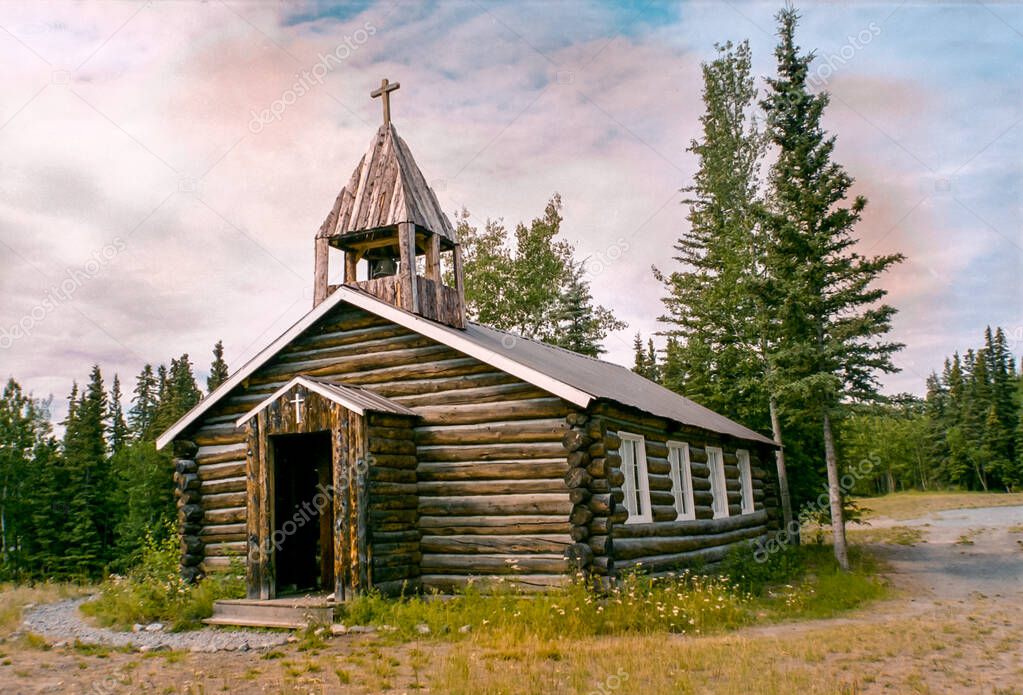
303 509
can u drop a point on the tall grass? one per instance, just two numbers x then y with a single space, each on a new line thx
799 582
153 591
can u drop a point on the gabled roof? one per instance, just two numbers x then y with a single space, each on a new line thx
385 189
576 378
353 398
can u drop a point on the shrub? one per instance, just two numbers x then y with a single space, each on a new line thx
153 591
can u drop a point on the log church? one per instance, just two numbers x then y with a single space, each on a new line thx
386 441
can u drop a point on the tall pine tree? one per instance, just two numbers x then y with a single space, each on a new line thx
831 313
218 369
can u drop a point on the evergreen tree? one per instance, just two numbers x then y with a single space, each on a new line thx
26 450
144 403
118 428
831 314
89 534
218 369
582 326
639 355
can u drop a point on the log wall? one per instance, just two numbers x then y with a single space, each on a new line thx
489 473
667 543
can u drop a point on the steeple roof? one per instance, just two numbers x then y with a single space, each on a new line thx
385 189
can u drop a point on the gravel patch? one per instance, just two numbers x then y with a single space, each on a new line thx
62 621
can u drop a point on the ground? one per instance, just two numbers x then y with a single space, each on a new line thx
955 624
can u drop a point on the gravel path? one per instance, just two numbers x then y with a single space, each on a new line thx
966 552
61 621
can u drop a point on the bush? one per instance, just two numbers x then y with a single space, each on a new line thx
153 591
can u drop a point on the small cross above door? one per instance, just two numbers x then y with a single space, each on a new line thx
298 401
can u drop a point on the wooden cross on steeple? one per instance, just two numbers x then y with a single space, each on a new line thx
385 91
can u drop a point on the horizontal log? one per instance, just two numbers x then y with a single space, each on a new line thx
491 470
536 503
690 527
219 436
482 394
549 430
224 485
225 516
221 529
491 452
477 413
631 548
235 549
493 525
456 544
405 432
405 561
391 475
525 583
392 446
381 339
220 454
223 500
659 563
399 587
220 471
436 563
492 487
398 461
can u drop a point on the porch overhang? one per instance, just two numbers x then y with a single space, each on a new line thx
355 399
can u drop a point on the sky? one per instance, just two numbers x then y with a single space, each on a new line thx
165 165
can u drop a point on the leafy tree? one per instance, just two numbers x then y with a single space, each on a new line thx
536 289
218 369
831 311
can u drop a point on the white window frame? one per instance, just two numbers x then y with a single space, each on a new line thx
746 479
718 481
636 471
682 480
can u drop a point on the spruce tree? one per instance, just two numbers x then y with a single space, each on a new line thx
90 528
831 315
218 369
118 429
144 403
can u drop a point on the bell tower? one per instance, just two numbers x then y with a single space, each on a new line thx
389 225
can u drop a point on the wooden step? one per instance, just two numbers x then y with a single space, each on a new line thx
287 613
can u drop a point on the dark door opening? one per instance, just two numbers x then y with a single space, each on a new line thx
303 509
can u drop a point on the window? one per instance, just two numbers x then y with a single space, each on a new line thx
746 478
637 486
681 479
718 488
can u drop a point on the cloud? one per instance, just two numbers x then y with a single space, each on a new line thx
136 123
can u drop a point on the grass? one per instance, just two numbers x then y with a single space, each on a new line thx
14 598
913 504
891 535
903 655
155 592
798 582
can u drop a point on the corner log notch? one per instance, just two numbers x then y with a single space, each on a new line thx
594 482
190 511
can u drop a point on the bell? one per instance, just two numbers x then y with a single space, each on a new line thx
382 267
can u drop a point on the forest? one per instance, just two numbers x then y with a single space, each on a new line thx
770 316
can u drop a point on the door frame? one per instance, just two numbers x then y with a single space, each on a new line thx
350 524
